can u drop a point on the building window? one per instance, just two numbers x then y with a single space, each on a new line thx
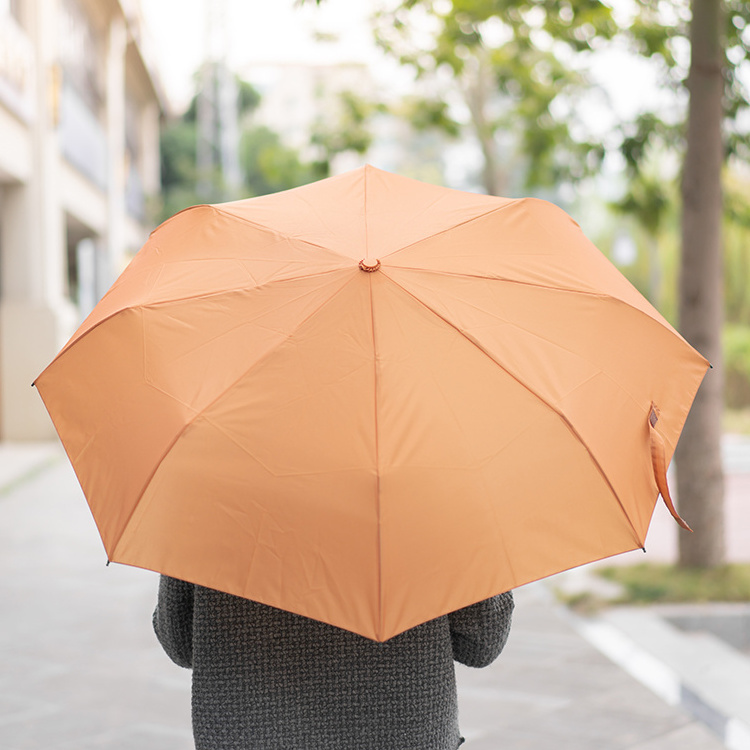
81 55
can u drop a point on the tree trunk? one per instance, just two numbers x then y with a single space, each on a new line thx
700 478
478 87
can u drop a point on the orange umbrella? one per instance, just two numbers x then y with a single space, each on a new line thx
371 401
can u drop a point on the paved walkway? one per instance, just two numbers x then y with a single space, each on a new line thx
81 669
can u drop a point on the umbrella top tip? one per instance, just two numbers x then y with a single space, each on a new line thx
369 265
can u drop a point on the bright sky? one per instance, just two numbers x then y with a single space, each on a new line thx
256 31
281 31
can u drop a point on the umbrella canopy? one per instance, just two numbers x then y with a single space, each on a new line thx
371 401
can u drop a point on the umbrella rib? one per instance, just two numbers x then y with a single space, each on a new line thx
367 223
217 208
489 212
173 217
496 278
219 292
205 408
230 215
377 464
536 395
237 324
536 334
375 417
258 225
546 287
175 300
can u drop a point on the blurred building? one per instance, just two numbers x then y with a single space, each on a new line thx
297 99
79 155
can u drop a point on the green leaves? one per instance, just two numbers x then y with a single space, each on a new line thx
426 114
518 67
645 133
346 128
266 163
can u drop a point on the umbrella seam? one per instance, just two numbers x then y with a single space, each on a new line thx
381 623
367 224
551 342
203 410
229 214
235 327
160 303
445 197
489 506
546 403
547 287
230 290
174 216
216 208
292 237
75 339
484 214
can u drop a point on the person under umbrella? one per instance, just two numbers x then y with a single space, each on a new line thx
370 402
267 678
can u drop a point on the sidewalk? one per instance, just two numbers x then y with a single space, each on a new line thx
21 461
83 671
553 690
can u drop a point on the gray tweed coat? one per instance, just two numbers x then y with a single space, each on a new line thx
270 680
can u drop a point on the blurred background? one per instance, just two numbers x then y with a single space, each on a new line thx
115 115
632 115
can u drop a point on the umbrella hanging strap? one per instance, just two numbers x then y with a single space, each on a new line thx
658 460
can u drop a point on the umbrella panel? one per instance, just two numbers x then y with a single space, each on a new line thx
600 377
399 453
247 410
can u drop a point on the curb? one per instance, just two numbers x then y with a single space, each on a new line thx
20 462
696 672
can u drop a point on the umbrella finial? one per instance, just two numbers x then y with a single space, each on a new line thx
368 265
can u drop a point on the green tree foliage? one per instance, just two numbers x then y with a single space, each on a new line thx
518 69
179 170
268 165
649 203
736 341
737 290
428 115
347 128
737 249
650 197
248 99
660 31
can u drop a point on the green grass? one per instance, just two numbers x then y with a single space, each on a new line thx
737 421
32 472
649 583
